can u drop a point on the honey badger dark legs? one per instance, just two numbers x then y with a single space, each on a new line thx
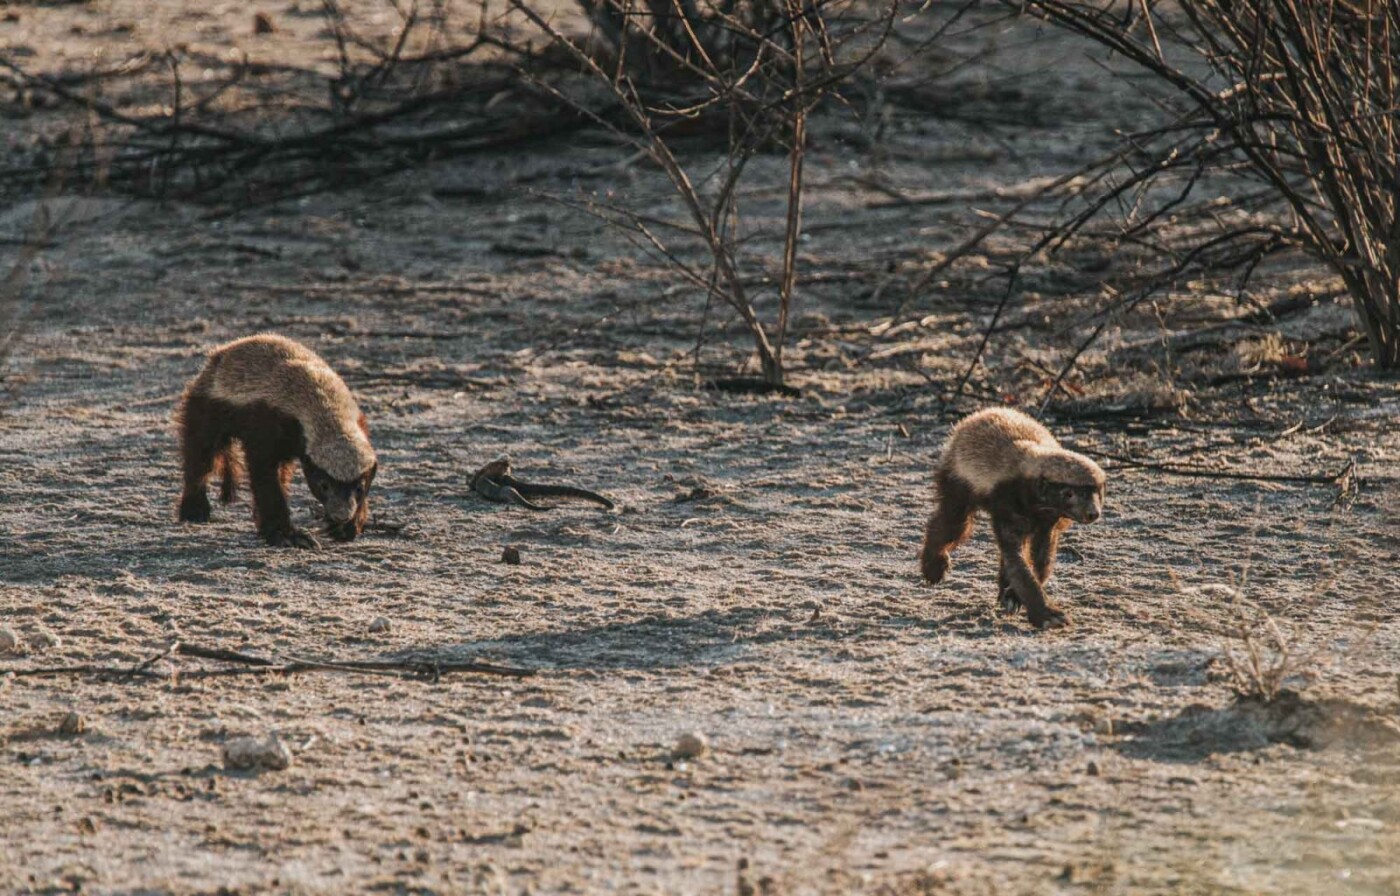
1018 584
202 442
947 528
270 442
1045 542
269 475
1027 542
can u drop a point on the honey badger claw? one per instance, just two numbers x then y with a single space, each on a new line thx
293 538
494 483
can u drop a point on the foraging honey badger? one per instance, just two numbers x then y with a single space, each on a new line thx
1007 464
282 403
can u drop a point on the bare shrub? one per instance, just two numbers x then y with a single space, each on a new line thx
222 128
753 73
1298 102
1260 656
1267 350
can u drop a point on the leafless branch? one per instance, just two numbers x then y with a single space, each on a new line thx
249 664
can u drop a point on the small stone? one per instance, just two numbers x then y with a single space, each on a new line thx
1097 721
45 640
511 555
9 641
378 625
262 24
1092 769
72 724
691 745
251 753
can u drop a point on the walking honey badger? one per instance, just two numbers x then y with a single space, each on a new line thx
282 403
1003 462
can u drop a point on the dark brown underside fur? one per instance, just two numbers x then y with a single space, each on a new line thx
1020 527
272 443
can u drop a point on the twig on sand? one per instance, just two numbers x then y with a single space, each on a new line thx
1204 473
248 664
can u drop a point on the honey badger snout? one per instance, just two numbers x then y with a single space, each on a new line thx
1087 507
340 502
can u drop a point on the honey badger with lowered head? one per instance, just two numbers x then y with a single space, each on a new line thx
283 404
1001 461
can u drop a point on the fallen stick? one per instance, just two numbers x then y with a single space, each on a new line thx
495 483
249 664
85 669
1183 470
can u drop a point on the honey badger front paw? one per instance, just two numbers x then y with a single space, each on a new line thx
292 538
1010 601
194 509
1049 618
935 567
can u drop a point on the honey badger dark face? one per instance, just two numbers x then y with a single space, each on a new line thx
346 503
1081 503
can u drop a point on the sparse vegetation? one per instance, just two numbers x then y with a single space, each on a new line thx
731 679
753 73
1296 102
1259 656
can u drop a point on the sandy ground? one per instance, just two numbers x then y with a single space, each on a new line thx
757 583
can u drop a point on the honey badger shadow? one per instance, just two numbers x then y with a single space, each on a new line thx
265 404
1004 463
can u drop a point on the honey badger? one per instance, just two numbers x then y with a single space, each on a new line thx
1001 461
282 403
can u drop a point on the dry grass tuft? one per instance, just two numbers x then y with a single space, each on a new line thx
1265 352
1260 655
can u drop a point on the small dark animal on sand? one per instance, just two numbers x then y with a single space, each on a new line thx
1003 462
281 404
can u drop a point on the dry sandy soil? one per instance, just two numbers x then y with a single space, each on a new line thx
757 583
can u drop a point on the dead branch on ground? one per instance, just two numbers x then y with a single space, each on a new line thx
249 664
1196 472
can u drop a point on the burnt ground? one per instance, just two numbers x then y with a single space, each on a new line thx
756 584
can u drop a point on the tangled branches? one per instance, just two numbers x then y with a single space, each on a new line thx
1302 99
758 70
220 128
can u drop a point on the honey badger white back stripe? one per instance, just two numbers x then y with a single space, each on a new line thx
294 380
997 445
